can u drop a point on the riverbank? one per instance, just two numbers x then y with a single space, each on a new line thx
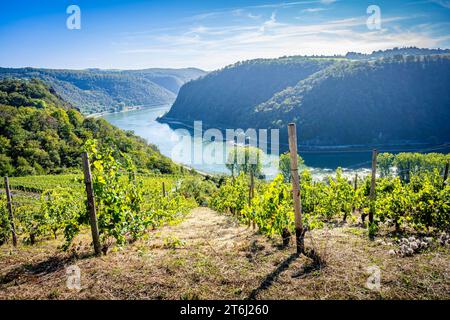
127 109
391 147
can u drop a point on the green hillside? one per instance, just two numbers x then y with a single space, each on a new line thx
234 91
405 98
96 90
334 101
40 133
170 79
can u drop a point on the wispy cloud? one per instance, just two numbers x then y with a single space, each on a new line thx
442 3
290 4
312 10
280 5
267 31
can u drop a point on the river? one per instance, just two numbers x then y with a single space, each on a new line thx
170 141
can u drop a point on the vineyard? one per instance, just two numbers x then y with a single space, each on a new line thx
53 205
412 195
406 209
127 204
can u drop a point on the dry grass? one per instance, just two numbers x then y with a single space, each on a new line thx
209 256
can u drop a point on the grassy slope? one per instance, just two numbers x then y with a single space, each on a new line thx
221 260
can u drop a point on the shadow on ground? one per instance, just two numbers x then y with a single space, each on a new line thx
271 277
48 266
315 263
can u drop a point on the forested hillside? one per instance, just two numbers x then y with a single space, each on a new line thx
97 90
409 51
170 79
224 96
40 133
385 101
334 101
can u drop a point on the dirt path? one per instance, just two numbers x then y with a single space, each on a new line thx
209 256
206 228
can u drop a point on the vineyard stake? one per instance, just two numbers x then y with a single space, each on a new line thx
10 211
355 187
445 174
251 193
91 203
164 189
299 233
372 185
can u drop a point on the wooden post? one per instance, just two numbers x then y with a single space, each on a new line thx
299 233
91 203
251 193
445 174
164 189
372 186
10 211
250 190
355 187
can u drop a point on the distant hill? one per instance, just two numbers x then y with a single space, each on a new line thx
96 90
389 53
40 134
334 100
170 79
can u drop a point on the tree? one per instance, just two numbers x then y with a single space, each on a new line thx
245 160
6 168
24 168
285 165
385 161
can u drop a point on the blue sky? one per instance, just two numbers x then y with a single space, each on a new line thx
135 34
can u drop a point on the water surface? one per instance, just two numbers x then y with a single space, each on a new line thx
170 141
